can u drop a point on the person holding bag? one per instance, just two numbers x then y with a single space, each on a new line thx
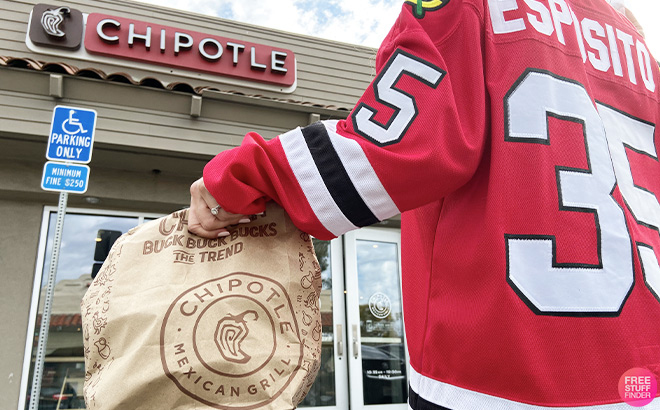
518 139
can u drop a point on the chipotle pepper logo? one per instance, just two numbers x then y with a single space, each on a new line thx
55 26
232 342
229 336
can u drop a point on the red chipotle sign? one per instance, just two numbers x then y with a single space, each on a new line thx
124 38
137 40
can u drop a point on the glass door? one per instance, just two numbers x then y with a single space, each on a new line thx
330 389
377 354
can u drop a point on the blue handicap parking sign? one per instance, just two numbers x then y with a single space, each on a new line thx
71 135
62 177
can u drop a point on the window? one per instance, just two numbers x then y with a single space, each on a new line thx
64 367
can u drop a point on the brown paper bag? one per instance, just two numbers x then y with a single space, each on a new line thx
175 321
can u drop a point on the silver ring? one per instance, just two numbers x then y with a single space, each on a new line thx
215 209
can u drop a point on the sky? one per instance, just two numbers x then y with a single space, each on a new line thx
363 22
647 13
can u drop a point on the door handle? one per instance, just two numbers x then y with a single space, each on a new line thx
340 341
356 345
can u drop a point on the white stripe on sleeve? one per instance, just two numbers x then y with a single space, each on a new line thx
311 182
362 174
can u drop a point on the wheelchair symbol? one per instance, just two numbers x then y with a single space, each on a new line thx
73 123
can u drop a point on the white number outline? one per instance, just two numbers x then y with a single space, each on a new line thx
386 93
625 281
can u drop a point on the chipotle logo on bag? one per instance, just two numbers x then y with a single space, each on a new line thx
175 321
205 340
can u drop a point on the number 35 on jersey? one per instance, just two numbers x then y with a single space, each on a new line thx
553 288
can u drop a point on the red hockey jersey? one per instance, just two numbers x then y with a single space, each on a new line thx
518 138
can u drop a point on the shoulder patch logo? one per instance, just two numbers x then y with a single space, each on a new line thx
420 7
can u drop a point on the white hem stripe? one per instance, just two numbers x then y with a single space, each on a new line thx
457 398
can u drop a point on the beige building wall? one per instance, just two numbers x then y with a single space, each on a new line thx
148 147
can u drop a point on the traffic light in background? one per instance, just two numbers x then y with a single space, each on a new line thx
104 241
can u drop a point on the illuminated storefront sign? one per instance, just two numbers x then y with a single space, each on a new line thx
60 30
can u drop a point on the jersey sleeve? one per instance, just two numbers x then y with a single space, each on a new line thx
416 135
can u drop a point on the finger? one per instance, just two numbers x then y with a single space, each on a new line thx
201 198
199 193
200 215
206 218
215 228
229 218
200 208
200 220
198 190
203 230
204 233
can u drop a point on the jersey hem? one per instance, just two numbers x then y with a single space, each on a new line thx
457 398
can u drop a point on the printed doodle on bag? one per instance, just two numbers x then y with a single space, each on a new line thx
312 301
308 280
316 332
99 322
103 347
208 350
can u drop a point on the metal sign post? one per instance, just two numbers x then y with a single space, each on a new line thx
70 144
45 316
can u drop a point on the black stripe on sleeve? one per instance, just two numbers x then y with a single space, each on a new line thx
418 403
335 177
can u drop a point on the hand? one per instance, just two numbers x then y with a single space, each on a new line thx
201 220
